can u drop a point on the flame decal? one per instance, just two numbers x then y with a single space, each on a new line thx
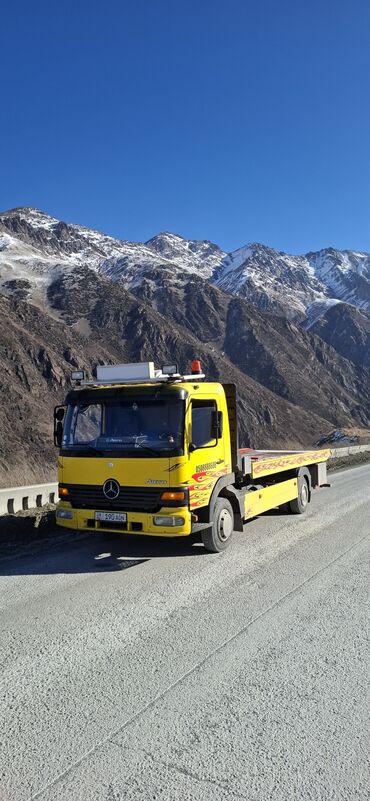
304 458
203 485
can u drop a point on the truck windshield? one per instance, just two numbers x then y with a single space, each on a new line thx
140 427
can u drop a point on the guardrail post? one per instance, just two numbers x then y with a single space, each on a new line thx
16 499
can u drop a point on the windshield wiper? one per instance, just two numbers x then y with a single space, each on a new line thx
147 448
103 452
84 447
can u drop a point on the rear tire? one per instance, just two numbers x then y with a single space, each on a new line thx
299 505
217 537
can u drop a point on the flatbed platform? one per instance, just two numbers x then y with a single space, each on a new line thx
263 463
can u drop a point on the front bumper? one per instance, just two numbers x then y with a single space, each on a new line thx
137 522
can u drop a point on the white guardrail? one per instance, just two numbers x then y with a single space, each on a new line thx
337 453
14 499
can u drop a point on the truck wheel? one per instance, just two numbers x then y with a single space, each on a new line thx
217 537
299 505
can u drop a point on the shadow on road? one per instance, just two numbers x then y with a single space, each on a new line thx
94 553
29 546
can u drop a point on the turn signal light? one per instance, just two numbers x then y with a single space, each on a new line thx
173 496
63 491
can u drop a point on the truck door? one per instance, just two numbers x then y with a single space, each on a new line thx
206 450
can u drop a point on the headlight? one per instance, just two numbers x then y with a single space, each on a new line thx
66 513
160 520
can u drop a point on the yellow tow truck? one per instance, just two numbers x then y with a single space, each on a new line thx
154 452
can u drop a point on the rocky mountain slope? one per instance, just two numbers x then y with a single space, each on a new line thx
347 329
38 352
263 276
71 296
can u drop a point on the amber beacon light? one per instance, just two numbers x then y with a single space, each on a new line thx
196 367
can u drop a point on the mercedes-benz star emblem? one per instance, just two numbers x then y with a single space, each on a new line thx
111 489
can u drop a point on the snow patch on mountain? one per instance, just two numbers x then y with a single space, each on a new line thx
317 309
38 219
20 262
233 261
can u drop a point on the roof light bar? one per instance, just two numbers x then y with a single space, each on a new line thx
78 375
170 369
138 373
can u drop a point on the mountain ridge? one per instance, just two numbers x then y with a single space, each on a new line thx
270 279
85 297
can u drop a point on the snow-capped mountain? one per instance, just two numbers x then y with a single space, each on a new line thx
270 279
295 284
164 258
344 274
35 249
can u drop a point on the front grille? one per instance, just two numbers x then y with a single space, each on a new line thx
109 525
130 499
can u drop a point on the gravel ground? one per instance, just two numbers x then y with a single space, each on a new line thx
139 669
34 529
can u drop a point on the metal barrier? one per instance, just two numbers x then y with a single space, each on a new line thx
16 499
348 451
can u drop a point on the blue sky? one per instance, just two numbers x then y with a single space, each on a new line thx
233 121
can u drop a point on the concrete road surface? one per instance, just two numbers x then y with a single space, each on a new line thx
161 673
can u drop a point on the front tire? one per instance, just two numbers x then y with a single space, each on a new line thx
217 537
299 505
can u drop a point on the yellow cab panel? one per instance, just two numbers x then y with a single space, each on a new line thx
115 459
202 456
207 457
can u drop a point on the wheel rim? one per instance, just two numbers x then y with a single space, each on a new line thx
225 525
304 494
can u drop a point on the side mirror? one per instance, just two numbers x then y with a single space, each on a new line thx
216 425
192 447
59 413
58 434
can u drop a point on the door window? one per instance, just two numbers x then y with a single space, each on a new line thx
201 423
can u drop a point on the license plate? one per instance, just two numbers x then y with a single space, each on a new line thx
111 517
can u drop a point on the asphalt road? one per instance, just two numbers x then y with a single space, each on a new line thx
160 672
